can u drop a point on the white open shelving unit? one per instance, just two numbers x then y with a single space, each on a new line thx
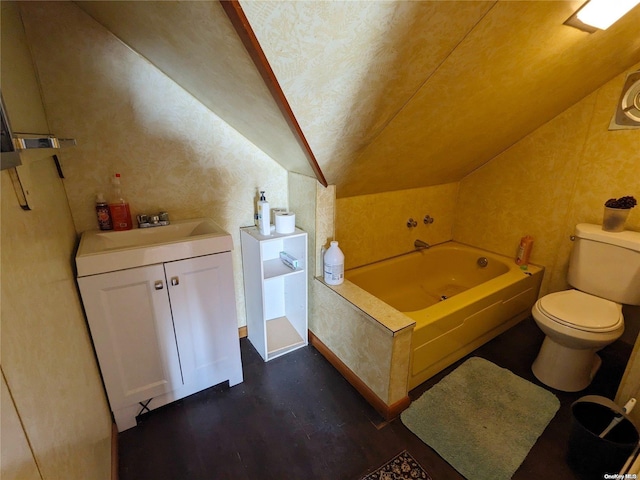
275 294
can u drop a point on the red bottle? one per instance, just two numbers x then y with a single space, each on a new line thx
119 207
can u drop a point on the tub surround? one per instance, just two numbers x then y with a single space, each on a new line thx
386 316
456 304
388 412
374 227
384 353
372 355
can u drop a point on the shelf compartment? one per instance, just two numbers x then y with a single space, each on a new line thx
275 268
282 337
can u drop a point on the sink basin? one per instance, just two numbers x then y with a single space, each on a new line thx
101 252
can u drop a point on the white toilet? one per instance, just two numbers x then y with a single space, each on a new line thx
604 270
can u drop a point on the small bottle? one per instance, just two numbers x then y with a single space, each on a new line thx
334 265
524 250
104 215
120 213
264 216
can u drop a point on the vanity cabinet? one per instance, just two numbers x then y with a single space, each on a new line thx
276 295
164 331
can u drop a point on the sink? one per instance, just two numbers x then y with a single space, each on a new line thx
101 251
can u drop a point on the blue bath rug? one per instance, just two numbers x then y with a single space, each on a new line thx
482 419
401 467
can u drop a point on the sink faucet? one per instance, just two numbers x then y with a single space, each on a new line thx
420 245
145 221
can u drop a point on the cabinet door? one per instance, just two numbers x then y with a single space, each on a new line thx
204 316
130 320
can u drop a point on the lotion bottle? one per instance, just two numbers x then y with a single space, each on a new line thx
264 215
334 265
524 250
119 207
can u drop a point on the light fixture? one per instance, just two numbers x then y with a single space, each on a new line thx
600 14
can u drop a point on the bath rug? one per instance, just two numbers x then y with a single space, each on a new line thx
401 467
482 419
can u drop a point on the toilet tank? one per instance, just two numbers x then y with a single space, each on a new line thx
606 264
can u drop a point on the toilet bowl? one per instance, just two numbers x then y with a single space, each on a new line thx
576 325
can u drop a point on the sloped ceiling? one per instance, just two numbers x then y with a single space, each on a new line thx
390 95
195 44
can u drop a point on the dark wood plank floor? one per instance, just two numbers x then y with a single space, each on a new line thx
297 418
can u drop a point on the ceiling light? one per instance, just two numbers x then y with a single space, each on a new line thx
600 14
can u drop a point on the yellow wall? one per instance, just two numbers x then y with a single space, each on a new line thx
549 181
47 357
128 117
373 227
55 419
545 184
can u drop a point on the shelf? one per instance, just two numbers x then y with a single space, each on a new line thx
255 233
275 294
281 337
275 268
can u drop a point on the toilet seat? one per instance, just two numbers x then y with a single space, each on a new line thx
582 311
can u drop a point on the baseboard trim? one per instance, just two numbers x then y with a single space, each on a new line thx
114 452
242 332
389 412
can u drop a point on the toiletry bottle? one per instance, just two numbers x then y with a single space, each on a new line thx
524 250
264 216
120 213
334 265
104 215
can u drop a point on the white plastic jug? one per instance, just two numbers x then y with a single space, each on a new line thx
334 265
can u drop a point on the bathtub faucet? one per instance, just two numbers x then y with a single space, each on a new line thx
419 244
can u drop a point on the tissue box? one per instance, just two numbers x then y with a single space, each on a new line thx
289 260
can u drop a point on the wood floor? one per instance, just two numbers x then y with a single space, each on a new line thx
296 418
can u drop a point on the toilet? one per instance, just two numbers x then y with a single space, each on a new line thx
604 271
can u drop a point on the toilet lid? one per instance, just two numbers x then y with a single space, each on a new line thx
582 311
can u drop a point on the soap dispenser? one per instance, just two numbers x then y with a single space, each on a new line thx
264 215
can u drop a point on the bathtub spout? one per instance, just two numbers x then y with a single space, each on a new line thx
419 244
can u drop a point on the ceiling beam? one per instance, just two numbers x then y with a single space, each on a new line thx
241 24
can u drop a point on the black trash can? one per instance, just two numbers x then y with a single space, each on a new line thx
591 456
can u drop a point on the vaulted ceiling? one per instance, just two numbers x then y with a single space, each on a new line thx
389 95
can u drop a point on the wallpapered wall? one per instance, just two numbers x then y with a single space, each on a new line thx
545 184
55 418
47 356
374 227
128 117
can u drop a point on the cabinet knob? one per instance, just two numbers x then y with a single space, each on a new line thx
159 285
175 281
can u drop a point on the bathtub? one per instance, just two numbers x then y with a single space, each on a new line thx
456 303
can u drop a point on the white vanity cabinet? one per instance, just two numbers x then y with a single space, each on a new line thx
276 295
164 331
